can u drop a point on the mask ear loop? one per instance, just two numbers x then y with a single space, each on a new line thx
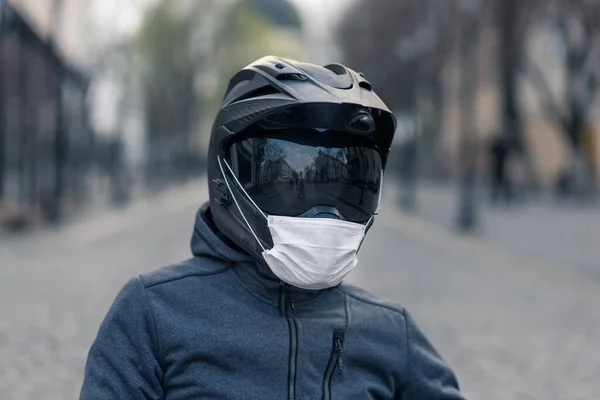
380 191
243 190
368 224
236 202
370 221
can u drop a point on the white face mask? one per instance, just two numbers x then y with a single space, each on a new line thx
309 253
313 253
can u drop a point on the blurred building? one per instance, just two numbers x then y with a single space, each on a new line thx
330 168
65 20
96 35
549 150
277 171
45 140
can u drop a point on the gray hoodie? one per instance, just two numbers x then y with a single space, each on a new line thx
222 326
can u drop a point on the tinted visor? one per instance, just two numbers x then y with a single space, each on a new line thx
289 178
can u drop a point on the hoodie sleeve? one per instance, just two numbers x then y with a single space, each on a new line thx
123 360
426 375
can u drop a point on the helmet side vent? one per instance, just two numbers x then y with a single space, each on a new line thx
259 92
337 69
282 117
291 77
365 85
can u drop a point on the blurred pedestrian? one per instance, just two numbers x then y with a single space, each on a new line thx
47 205
499 153
408 172
259 312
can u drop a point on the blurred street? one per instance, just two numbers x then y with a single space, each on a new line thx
560 234
490 225
514 325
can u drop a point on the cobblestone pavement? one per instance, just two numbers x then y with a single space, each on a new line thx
513 325
55 288
564 234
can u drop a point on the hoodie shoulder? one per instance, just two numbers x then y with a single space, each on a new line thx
198 266
368 298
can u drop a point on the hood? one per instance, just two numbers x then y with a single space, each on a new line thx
256 276
206 243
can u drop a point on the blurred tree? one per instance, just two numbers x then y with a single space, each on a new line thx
369 35
60 138
469 13
2 102
189 49
514 18
252 29
166 47
280 13
274 152
577 23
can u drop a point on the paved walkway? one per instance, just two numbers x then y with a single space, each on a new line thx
565 234
511 323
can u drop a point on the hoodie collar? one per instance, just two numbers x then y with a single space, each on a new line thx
254 275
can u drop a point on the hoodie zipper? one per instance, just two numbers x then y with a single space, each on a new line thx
293 332
335 359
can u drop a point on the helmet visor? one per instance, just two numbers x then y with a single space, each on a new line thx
289 178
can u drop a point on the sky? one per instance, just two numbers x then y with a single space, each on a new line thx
126 14
328 8
122 16
320 18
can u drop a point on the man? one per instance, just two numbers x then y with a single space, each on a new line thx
259 311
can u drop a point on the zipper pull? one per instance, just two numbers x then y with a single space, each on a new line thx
339 348
289 298
282 300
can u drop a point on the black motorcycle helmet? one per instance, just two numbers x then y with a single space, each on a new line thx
299 140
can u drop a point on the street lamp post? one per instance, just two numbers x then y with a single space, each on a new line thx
414 50
60 142
467 219
2 111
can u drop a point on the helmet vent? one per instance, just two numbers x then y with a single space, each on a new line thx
365 85
282 117
337 69
262 91
291 77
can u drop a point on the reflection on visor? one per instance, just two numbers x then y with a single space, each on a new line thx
287 178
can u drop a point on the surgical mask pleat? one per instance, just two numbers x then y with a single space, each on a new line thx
313 253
